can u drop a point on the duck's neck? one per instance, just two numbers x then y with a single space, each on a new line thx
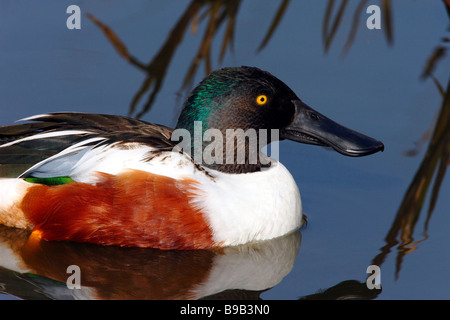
245 162
229 151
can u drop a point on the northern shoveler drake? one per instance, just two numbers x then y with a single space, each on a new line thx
114 180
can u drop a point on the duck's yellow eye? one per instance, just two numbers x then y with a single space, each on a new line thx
261 99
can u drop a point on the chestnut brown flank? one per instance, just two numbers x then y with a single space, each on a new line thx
134 208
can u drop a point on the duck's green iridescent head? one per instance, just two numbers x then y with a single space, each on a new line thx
244 98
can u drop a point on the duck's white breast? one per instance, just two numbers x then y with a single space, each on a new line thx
241 208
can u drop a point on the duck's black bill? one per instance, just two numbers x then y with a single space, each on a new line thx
309 126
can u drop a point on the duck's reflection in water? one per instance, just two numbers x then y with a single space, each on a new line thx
135 273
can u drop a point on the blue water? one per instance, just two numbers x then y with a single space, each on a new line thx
376 89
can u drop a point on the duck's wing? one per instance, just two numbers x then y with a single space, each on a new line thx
53 144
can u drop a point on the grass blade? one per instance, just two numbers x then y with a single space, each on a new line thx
274 25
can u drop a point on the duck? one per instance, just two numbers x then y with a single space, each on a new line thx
119 181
